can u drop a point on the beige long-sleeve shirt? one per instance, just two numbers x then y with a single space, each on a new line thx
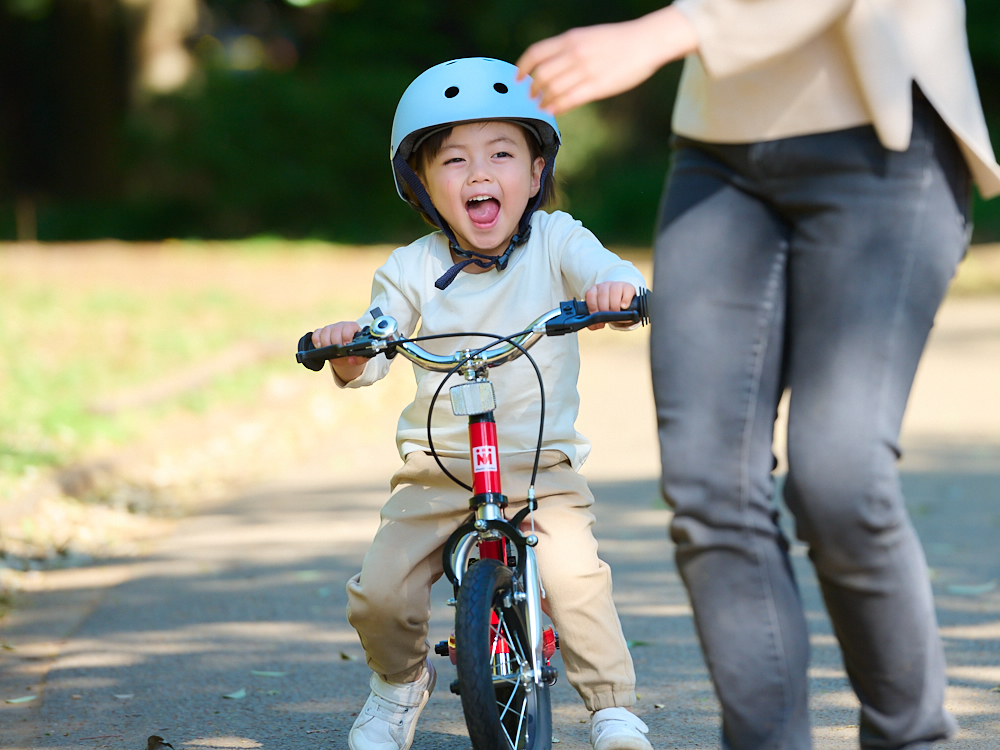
770 69
561 260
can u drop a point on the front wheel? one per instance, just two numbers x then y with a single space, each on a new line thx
492 648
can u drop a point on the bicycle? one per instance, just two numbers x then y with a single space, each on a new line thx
500 649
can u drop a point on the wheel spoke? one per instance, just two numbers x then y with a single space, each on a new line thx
513 642
498 676
506 708
510 742
515 649
520 718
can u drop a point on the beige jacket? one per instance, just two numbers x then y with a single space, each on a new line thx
770 69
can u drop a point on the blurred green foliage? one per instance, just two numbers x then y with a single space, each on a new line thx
299 149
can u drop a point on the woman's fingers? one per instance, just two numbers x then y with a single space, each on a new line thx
576 96
559 69
536 54
570 85
605 60
548 69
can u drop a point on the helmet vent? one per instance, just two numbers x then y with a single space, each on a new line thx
451 92
499 88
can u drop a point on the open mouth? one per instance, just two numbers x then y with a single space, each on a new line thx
483 211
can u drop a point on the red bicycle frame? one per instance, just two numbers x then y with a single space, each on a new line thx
485 455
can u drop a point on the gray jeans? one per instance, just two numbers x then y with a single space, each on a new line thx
813 263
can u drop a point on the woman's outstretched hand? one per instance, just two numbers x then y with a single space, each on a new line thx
594 62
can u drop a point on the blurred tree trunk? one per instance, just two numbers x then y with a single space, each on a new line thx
66 74
163 60
63 92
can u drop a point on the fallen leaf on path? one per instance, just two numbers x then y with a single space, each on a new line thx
7 647
637 644
238 695
124 696
22 699
267 674
76 697
995 690
317 731
272 692
657 705
347 657
974 589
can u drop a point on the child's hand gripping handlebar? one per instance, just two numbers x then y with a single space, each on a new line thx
382 337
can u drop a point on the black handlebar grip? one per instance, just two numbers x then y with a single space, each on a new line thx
640 304
306 345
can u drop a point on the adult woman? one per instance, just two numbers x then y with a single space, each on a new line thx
815 212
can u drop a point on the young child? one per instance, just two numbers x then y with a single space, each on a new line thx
474 154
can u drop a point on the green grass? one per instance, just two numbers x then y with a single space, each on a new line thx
70 336
65 344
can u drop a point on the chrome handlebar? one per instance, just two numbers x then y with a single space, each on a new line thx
494 356
382 337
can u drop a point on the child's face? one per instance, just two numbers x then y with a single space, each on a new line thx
481 181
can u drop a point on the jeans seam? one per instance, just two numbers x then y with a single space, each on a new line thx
765 320
893 343
897 314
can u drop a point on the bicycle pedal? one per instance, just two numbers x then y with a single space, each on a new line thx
550 675
455 688
441 649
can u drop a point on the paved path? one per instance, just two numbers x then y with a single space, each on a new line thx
247 598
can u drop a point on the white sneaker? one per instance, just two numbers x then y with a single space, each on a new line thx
389 717
618 729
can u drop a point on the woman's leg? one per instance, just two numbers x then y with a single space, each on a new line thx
717 340
871 257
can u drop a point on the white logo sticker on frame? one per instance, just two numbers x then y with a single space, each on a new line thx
484 458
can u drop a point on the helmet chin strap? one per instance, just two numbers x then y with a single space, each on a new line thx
480 259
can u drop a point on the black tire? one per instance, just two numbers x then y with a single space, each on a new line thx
499 713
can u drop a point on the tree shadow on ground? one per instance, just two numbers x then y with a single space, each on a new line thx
248 601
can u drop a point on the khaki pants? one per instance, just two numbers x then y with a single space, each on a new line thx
389 602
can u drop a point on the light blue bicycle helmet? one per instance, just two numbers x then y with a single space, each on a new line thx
467 90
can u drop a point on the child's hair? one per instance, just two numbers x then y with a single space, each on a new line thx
431 147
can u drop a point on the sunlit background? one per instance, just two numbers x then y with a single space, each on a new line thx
186 186
149 119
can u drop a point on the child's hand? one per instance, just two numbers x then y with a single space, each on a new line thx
338 334
609 296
